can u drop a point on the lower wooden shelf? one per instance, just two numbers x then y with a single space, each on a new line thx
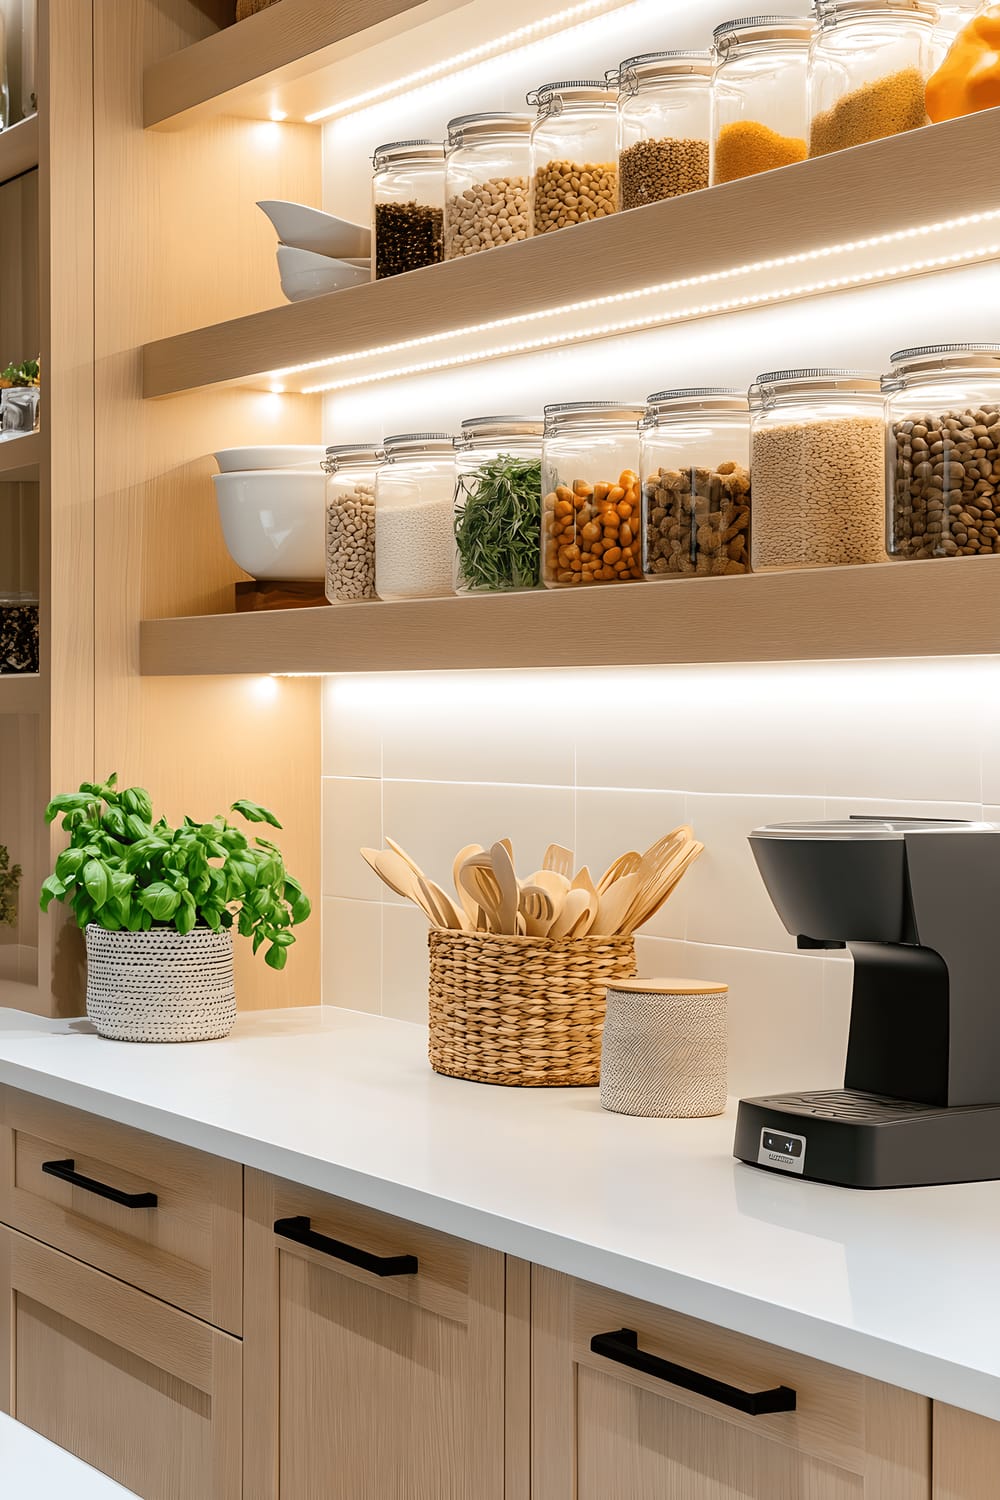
21 693
20 458
936 608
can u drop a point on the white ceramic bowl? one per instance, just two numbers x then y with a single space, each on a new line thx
307 228
272 520
305 274
279 456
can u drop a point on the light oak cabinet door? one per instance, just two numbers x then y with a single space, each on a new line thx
966 1455
639 1422
374 1354
139 1390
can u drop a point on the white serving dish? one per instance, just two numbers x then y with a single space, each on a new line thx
305 228
277 456
305 274
273 522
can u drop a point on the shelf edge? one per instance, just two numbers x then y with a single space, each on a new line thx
19 148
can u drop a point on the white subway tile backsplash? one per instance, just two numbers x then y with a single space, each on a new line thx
609 823
352 728
404 964
352 820
352 954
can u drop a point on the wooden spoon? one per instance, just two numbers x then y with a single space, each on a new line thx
556 887
577 904
585 921
407 858
503 869
614 905
657 898
448 915
537 909
470 906
625 864
559 859
399 877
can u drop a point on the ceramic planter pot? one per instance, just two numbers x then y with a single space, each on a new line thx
159 986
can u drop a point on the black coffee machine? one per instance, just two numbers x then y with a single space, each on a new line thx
916 901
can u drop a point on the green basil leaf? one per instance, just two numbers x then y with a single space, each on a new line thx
160 900
276 957
95 879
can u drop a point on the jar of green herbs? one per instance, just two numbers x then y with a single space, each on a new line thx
498 505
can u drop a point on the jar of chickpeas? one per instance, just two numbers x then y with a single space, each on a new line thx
591 510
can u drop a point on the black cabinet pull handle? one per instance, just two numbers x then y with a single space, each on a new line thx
623 1347
65 1171
301 1231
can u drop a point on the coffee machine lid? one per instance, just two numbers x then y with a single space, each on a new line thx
869 828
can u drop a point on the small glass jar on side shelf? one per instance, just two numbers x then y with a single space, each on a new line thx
664 125
407 206
943 411
487 183
592 503
18 632
696 483
498 505
414 517
868 69
817 454
350 521
574 153
759 96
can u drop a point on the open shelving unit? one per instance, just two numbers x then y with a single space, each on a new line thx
20 458
19 148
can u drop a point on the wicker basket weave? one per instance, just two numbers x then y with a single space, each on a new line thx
526 1012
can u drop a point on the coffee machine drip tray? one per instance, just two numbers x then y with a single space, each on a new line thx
860 1140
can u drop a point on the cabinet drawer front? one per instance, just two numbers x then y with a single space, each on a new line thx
146 1394
87 1186
688 1408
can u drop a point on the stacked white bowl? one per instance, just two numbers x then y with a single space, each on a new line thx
317 252
271 505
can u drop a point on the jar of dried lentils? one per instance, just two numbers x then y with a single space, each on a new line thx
868 69
407 206
696 483
487 183
759 98
591 510
943 409
350 521
574 156
817 452
664 125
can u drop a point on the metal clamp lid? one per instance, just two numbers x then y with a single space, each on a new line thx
345 453
401 443
485 126
419 149
767 387
658 398
830 13
653 66
760 29
477 426
553 98
568 412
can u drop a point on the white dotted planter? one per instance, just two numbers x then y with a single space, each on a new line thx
664 1049
159 986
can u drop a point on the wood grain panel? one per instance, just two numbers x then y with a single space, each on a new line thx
834 199
188 1250
966 1455
517 1380
936 608
395 1386
137 1389
20 458
19 149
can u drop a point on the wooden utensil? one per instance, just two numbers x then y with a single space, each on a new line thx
478 878
559 859
577 903
583 924
556 887
625 864
503 869
658 896
614 905
470 906
399 877
448 915
583 881
407 858
537 909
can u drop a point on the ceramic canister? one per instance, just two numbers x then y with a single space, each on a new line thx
664 1048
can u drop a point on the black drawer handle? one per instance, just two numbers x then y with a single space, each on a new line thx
64 1170
301 1231
623 1348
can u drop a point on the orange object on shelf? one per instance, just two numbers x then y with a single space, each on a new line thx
969 78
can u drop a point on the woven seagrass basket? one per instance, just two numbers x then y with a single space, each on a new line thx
526 1012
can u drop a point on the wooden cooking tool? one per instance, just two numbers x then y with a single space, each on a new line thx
537 909
503 869
584 922
470 906
583 881
407 858
556 886
441 904
559 859
655 899
399 877
478 878
576 905
625 864
614 904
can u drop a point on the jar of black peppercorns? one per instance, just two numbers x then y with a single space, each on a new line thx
407 206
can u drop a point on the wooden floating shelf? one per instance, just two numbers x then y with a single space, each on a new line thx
937 608
801 210
20 458
19 148
21 693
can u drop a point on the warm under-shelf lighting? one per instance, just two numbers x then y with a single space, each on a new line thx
521 36
576 329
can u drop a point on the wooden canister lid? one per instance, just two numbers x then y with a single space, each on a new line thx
640 986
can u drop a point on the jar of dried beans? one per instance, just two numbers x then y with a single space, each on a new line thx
574 154
487 181
696 483
817 452
664 125
414 515
592 505
759 104
407 206
868 68
350 521
498 505
943 410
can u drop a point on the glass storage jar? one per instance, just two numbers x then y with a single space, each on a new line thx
414 515
350 521
759 100
498 505
487 183
868 69
817 455
407 206
696 483
664 125
18 632
574 157
943 413
591 510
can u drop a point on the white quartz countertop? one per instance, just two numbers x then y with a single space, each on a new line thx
32 1468
901 1285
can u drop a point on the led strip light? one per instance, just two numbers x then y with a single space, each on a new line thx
522 36
657 318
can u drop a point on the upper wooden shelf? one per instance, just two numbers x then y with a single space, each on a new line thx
939 608
20 458
482 305
19 148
